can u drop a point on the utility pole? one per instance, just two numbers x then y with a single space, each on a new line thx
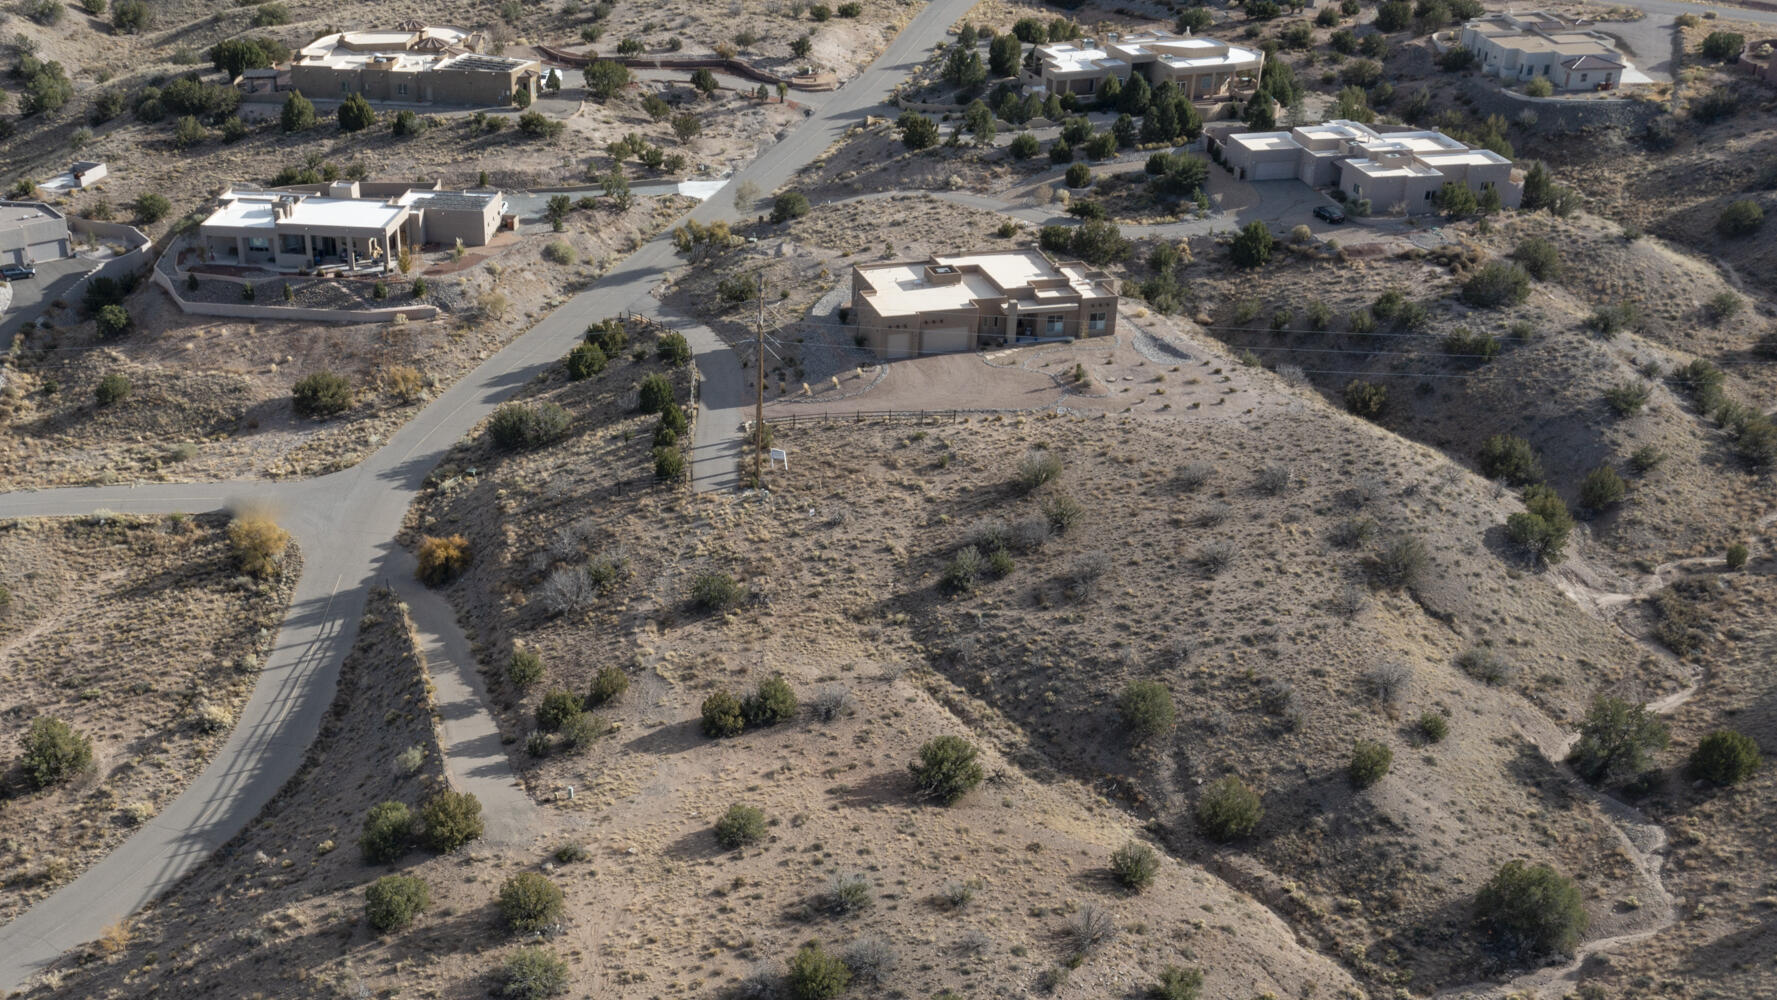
759 398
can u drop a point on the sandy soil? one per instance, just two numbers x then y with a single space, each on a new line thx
143 635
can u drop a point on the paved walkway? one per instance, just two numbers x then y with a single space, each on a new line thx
346 523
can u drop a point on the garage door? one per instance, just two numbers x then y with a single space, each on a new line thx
51 250
898 345
947 340
1275 170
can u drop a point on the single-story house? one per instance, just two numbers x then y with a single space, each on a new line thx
1520 47
1201 67
345 223
945 304
31 231
1395 168
413 63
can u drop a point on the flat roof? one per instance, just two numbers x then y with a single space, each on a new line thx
1257 141
474 62
253 210
901 288
12 215
1472 157
1371 168
472 201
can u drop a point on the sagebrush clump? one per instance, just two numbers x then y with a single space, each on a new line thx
740 826
391 902
530 901
1229 809
1135 865
948 768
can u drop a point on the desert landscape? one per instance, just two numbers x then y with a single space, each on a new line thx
1375 605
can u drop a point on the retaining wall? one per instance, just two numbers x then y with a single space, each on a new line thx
249 310
1556 114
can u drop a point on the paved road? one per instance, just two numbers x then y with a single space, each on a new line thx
346 522
1725 11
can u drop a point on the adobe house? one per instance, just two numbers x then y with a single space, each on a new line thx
947 304
344 224
1201 67
1395 168
413 63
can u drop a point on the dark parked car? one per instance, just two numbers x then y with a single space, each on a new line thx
17 272
1330 213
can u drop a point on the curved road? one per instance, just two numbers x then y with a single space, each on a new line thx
346 523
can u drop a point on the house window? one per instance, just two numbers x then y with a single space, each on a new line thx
401 88
258 243
345 86
1428 196
1054 326
1095 322
1582 78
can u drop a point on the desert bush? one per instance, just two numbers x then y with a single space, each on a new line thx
1370 760
1626 398
1352 532
948 768
961 572
1722 306
585 361
1511 458
871 958
1433 727
1616 739
789 205
722 715
849 894
533 974
831 703
1496 284
607 686
530 902
1531 910
580 731
515 426
54 752
112 321
566 590
1216 556
740 826
387 832
669 464
1736 555
1176 983
713 591
1544 525
1602 488
1645 459
673 350
321 394
1470 347
1061 512
1724 757
1538 257
557 707
1366 399
571 852
524 669
1253 246
440 560
1723 46
1039 466
816 974
1146 708
1272 479
1091 927
1387 682
448 820
1400 563
1228 809
1078 175
391 902
1608 321
655 394
258 545
1135 865
1194 475
1486 666
1740 218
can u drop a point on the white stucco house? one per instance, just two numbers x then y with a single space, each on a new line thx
1395 168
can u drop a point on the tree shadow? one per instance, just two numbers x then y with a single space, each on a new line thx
677 737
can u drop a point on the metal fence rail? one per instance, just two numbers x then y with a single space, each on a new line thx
864 416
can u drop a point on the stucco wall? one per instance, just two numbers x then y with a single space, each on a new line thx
1556 114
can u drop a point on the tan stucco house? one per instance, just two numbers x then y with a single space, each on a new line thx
1201 67
344 224
1519 47
1396 168
413 63
945 304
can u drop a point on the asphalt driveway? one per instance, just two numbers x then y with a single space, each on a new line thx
55 280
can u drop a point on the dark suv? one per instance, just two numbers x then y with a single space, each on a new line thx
1330 213
17 272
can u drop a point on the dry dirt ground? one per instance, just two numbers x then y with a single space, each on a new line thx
143 635
210 398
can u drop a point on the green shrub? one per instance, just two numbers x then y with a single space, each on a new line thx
1400 563
1626 398
1177 983
1740 218
559 252
772 703
1542 528
391 902
387 834
1737 555
515 426
585 361
673 349
722 715
1370 760
962 571
714 591
1496 284
54 752
1723 46
533 974
1078 175
525 668
530 902
557 708
1039 466
1433 727
1366 399
1024 146
669 463
1722 306
789 205
740 826
1531 910
1485 665
1602 488
607 686
113 388
816 974
655 394
948 768
1539 257
1134 865
1724 757
1511 458
321 394
448 820
1252 248
581 730
1616 739
113 321
153 207
1229 809
1146 707
356 114
1539 87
